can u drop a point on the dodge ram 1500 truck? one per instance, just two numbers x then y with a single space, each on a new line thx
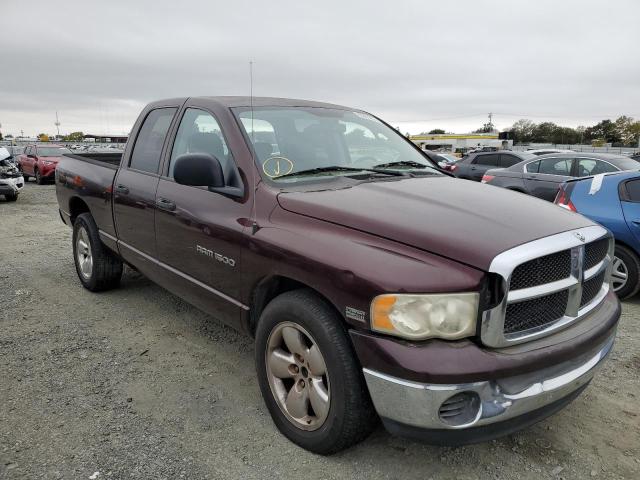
376 286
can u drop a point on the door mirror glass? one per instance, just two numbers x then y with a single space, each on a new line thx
198 170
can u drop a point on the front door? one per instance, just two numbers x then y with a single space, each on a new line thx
200 233
134 190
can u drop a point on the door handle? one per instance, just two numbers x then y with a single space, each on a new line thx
165 204
636 222
122 189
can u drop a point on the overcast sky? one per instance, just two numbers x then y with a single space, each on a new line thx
417 64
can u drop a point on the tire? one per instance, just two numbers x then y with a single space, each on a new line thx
98 269
349 416
11 198
625 261
39 179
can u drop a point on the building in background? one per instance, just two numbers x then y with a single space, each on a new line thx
461 143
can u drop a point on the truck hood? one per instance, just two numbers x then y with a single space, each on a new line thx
466 221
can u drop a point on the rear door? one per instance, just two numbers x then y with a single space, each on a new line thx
543 177
482 163
134 189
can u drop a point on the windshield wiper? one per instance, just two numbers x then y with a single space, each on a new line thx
337 168
402 163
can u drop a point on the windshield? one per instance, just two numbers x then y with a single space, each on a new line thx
296 143
52 151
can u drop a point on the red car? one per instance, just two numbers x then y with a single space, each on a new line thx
40 161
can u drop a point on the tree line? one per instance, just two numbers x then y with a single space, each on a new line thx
621 132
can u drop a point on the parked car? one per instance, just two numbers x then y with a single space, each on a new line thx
14 152
371 284
474 165
546 151
40 162
446 160
542 176
11 182
613 200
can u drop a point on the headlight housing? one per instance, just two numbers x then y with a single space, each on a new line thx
421 316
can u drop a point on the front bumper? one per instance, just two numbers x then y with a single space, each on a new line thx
495 391
480 410
11 186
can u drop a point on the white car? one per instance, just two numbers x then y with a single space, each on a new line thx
11 181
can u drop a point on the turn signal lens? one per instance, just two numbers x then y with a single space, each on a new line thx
417 317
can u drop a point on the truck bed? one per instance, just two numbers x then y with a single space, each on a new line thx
87 177
110 160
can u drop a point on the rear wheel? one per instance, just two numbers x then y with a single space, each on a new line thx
98 269
310 379
625 274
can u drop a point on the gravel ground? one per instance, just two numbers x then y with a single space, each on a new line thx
135 383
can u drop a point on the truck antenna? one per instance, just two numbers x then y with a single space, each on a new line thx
254 224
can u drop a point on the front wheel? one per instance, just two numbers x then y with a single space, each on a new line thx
625 274
11 198
98 269
39 179
310 379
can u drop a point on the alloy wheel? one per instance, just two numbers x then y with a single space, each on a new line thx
619 274
297 375
83 254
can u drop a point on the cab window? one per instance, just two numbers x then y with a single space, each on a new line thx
148 147
199 132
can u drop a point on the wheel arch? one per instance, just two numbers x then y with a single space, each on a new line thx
77 206
269 288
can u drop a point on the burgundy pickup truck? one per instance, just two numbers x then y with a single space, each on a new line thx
376 286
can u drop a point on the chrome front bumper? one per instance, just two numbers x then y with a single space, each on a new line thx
419 404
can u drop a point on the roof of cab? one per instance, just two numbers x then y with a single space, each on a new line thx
230 102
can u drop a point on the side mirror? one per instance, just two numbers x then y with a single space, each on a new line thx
198 170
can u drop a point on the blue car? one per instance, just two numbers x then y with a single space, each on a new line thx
613 200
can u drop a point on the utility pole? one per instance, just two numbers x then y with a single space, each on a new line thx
57 124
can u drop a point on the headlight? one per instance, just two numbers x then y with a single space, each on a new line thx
48 162
418 317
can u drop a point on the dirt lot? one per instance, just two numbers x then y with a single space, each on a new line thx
135 383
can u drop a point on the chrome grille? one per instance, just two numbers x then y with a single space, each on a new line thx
535 313
539 271
590 288
551 282
595 252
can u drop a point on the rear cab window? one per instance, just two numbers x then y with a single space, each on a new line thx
148 147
